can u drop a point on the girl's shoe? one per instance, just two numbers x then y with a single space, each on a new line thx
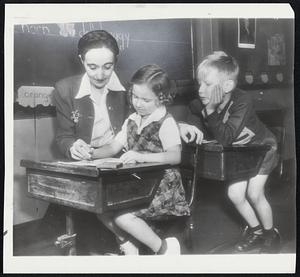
272 242
128 248
125 248
172 246
250 241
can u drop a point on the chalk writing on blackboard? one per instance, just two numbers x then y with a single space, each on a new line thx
67 30
122 39
33 29
71 30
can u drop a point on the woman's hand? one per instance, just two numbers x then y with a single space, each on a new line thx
80 150
190 133
132 157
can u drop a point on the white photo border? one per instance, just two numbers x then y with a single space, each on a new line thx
54 13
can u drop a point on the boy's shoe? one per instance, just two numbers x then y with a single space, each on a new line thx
249 241
172 246
272 242
128 248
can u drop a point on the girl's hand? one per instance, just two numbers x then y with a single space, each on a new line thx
81 150
216 98
132 157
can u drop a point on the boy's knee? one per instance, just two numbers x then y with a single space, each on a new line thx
235 195
254 195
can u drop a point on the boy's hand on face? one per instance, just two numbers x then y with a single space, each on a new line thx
216 98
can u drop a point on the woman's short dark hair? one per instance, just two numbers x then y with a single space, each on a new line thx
157 80
97 39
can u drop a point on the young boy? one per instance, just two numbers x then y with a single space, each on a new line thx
230 117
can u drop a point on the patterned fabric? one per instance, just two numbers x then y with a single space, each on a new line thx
170 196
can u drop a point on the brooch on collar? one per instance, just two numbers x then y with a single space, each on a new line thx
75 116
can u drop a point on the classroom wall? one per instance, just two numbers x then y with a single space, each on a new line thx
279 98
33 139
205 38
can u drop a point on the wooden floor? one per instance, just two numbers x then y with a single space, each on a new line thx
217 224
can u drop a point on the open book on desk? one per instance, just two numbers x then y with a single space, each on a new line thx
99 163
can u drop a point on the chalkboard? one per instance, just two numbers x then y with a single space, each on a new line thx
46 53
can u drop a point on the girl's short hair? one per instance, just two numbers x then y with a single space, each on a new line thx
222 62
97 39
157 80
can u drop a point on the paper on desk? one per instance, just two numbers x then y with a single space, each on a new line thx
208 141
96 163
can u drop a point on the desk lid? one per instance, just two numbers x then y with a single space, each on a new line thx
91 171
217 147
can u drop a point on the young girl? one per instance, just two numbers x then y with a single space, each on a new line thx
149 135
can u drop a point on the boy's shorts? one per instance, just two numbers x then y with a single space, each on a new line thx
271 158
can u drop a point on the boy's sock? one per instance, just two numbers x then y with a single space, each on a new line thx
269 232
257 230
272 233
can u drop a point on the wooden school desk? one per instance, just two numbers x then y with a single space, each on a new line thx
100 190
92 189
225 163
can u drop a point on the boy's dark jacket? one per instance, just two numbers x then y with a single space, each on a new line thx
242 114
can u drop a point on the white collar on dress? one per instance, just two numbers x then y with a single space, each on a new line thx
158 114
114 84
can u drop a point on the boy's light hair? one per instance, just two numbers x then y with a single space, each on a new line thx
224 63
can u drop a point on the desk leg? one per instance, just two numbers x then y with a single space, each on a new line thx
70 232
68 240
